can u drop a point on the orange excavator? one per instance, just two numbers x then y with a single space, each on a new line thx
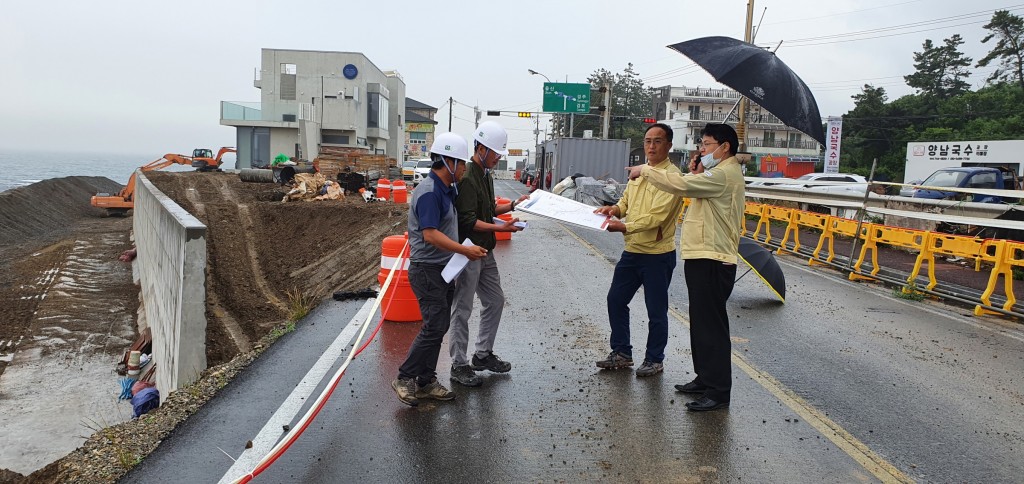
202 160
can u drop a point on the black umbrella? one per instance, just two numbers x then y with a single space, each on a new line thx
759 75
763 263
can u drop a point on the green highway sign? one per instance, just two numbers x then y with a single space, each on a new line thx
566 98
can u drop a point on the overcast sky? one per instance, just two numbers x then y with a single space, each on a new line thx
147 78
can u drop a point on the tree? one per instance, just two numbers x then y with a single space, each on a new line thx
866 130
1009 30
941 70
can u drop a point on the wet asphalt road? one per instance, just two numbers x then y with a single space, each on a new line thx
843 383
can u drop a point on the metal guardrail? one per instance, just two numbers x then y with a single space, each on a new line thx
1003 256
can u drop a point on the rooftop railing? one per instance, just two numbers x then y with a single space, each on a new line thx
240 111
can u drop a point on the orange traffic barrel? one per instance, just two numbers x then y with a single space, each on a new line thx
384 188
507 217
399 302
398 191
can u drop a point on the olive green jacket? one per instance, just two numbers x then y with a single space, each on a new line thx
475 201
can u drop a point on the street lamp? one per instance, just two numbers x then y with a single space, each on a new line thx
535 73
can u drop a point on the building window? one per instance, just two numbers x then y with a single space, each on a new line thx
794 140
415 137
694 112
335 139
377 111
287 84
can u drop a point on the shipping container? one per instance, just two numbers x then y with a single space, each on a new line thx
593 157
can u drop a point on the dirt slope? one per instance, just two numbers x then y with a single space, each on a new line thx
260 249
41 228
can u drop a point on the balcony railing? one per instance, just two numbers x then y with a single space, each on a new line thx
752 118
784 144
240 111
708 93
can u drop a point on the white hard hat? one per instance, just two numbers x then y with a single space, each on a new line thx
493 136
450 145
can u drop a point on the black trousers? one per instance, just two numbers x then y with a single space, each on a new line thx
435 298
709 284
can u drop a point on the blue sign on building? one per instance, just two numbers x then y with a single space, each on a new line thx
350 72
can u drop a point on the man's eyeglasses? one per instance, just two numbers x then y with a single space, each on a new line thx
706 144
655 141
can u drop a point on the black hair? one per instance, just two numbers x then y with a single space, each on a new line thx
722 133
439 161
664 127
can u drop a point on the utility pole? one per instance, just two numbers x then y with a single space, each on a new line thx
607 110
536 130
741 125
451 102
476 117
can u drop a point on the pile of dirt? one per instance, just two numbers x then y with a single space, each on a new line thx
43 211
265 255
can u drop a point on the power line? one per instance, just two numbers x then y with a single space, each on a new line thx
840 13
839 38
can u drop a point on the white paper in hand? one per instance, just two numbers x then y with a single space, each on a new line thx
456 264
563 209
519 224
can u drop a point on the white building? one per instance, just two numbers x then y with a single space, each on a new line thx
925 157
313 99
419 128
687 109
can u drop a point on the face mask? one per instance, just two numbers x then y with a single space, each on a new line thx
709 160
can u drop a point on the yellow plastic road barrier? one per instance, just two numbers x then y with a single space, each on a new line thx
946 244
771 212
884 234
836 226
1008 254
810 220
751 208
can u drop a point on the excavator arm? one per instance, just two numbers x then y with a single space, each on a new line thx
125 199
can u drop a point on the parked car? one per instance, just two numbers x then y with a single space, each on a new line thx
408 169
422 170
909 191
841 183
968 177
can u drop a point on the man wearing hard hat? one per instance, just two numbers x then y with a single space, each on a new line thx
476 208
433 235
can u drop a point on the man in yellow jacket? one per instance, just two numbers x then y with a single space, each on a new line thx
648 259
709 249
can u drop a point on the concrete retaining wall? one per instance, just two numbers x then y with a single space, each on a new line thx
171 258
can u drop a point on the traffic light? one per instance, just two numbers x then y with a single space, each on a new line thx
494 113
650 120
525 114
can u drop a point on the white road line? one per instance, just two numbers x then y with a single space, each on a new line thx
273 431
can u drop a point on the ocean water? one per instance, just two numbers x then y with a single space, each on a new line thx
20 168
